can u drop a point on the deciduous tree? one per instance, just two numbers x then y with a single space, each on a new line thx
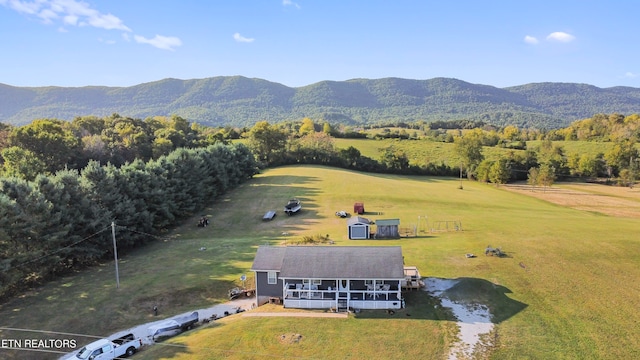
267 141
469 149
500 172
21 163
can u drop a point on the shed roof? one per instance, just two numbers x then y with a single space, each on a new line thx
358 219
317 262
388 222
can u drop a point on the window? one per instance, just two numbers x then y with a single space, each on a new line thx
272 277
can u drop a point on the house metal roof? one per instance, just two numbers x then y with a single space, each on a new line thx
332 262
388 222
358 219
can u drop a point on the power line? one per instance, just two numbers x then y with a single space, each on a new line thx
161 238
62 248
141 232
49 332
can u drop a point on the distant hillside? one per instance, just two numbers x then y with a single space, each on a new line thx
241 101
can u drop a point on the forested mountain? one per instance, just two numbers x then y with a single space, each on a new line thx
241 101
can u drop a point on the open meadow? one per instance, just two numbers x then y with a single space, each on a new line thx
421 152
567 288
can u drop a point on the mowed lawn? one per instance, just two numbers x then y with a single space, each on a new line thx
568 288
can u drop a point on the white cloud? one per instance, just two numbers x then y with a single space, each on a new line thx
159 41
72 12
530 40
48 16
290 3
21 6
110 42
561 37
71 20
108 22
81 14
240 38
630 75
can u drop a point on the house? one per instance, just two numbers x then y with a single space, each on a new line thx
330 277
387 228
358 228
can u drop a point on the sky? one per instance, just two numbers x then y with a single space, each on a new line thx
502 43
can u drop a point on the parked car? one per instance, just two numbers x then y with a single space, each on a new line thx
105 349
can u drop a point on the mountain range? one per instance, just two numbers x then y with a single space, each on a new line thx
241 101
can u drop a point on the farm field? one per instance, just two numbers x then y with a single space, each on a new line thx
567 288
608 200
421 152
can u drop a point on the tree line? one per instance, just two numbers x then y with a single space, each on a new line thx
55 223
49 145
311 143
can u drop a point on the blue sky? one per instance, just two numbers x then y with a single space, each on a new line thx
300 42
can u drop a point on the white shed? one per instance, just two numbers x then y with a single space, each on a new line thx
358 228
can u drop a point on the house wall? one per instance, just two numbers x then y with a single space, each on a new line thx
264 290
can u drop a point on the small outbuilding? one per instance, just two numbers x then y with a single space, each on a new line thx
388 228
358 208
359 228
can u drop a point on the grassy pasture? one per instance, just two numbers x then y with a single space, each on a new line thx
421 152
567 290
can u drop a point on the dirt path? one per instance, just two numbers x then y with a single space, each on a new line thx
609 200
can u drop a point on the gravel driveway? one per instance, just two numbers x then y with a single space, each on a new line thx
141 331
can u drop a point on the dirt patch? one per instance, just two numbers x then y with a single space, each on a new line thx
288 339
603 199
473 320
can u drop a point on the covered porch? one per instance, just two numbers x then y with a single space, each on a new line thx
342 294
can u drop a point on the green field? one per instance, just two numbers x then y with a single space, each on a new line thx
568 288
421 152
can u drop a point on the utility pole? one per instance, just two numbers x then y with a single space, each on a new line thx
115 253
